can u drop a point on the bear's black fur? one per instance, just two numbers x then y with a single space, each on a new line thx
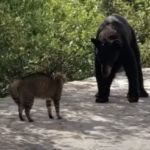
116 47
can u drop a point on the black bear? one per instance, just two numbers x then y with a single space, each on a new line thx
115 46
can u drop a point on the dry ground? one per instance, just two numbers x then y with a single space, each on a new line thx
86 125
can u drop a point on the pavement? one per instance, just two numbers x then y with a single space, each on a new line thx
86 125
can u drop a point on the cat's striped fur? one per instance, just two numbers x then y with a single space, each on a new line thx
24 90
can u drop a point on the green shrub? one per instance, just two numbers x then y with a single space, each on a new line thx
43 35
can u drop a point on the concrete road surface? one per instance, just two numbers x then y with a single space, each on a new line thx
86 125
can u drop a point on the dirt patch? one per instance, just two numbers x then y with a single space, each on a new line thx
86 125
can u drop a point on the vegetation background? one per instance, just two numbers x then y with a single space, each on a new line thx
54 35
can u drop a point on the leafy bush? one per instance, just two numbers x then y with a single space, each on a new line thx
43 35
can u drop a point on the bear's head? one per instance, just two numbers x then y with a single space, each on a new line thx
107 49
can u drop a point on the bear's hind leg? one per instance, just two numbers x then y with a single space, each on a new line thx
134 45
131 70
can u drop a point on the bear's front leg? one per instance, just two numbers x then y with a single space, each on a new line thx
102 96
133 94
130 67
103 89
103 85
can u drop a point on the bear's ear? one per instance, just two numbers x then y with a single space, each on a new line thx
96 42
117 44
